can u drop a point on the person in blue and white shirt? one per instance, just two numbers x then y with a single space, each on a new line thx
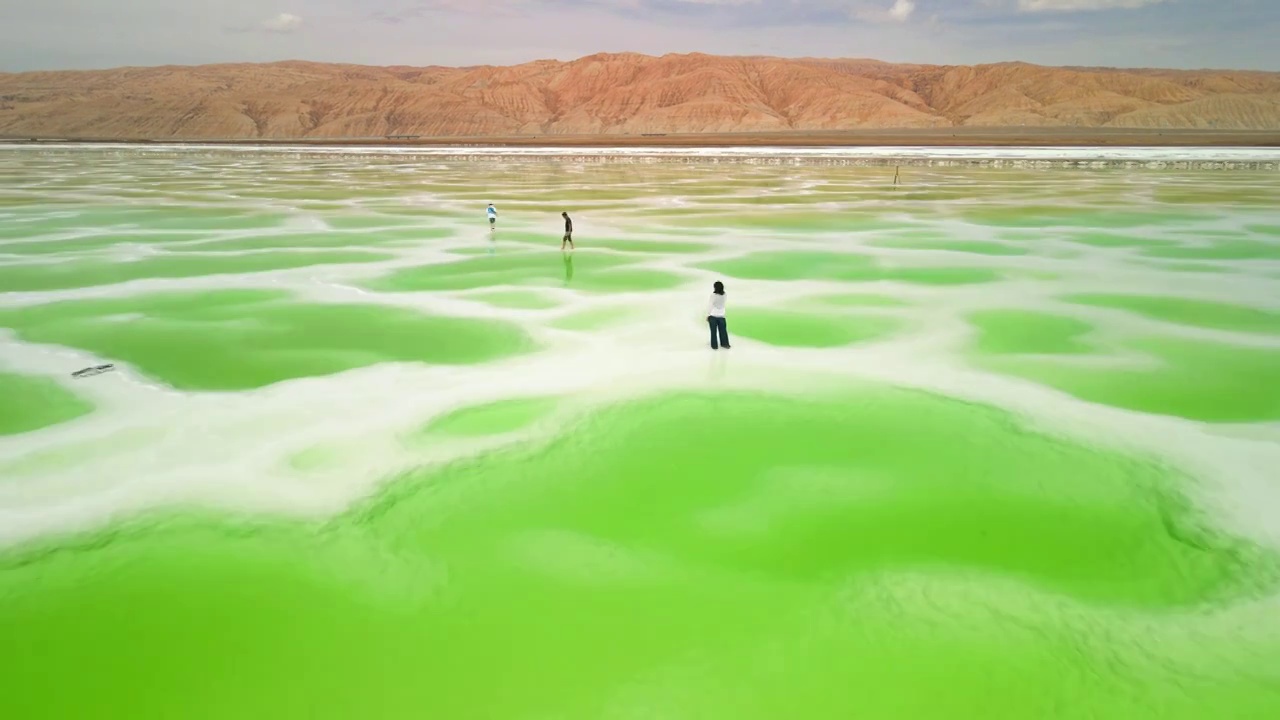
493 215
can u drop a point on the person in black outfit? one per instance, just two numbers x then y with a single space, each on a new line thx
568 231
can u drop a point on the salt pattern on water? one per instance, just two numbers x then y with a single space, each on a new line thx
310 338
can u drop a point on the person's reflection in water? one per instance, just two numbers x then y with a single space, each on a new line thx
568 266
715 371
493 243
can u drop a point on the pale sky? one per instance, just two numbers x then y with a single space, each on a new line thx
75 34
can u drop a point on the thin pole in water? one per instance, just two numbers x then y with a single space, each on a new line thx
896 168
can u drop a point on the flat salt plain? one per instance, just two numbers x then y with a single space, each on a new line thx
998 442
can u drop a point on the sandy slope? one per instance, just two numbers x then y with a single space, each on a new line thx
620 94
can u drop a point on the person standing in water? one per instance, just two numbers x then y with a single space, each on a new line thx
715 318
493 216
568 231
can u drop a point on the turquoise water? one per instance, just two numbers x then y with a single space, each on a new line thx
999 442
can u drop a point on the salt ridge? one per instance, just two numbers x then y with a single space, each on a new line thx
364 413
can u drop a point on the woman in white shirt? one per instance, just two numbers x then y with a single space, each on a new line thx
715 318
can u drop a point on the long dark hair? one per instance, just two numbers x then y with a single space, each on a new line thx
718 288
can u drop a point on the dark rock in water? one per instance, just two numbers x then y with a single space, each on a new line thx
91 371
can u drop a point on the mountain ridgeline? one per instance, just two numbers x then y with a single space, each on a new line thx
619 94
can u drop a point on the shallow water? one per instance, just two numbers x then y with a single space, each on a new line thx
998 442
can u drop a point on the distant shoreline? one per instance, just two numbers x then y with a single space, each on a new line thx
944 137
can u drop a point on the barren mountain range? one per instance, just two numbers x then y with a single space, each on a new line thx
619 94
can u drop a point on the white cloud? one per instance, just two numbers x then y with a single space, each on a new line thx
899 11
902 10
1082 5
282 23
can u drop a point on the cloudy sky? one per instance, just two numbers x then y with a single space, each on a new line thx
66 34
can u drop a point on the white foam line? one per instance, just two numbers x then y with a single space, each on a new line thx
1137 154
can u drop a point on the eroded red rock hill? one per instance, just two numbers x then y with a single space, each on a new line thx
620 93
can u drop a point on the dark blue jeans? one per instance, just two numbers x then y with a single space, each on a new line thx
718 325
